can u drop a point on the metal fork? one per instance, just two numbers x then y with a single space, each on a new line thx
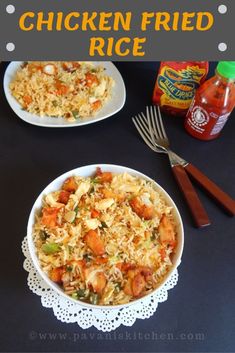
152 131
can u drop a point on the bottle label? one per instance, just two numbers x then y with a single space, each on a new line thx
199 118
219 124
179 86
203 121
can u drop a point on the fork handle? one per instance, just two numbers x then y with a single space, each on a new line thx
197 210
214 191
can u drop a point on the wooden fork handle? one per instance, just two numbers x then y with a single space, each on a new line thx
214 191
197 210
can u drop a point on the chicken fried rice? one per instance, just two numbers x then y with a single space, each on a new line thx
107 239
72 90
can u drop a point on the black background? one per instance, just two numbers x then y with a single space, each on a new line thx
203 300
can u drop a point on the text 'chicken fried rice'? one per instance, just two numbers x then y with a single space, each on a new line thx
106 239
72 90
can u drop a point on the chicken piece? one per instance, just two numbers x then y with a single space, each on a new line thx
142 210
32 67
91 79
96 279
104 177
146 271
100 90
71 66
81 265
56 274
49 216
99 282
132 272
167 232
125 266
65 278
64 197
108 193
50 69
70 185
61 88
128 288
94 242
138 285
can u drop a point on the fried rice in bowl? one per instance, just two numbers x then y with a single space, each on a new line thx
105 235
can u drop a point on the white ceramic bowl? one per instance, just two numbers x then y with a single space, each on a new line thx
114 105
88 171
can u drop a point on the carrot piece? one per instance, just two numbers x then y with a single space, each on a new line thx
136 239
96 105
94 242
101 260
27 99
64 197
49 216
56 274
162 253
126 266
95 213
119 265
70 185
138 284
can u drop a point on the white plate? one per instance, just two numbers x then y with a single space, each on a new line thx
89 171
112 107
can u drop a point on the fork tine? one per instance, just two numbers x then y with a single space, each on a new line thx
143 133
160 120
155 124
151 128
144 127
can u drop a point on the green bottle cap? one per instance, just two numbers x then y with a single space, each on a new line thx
226 69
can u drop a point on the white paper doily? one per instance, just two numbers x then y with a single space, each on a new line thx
102 319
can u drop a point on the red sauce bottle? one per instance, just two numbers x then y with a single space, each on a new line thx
213 103
176 85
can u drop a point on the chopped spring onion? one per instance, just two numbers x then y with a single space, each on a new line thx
81 293
94 298
69 268
44 235
50 248
103 225
75 114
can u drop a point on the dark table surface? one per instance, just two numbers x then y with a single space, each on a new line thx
199 313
